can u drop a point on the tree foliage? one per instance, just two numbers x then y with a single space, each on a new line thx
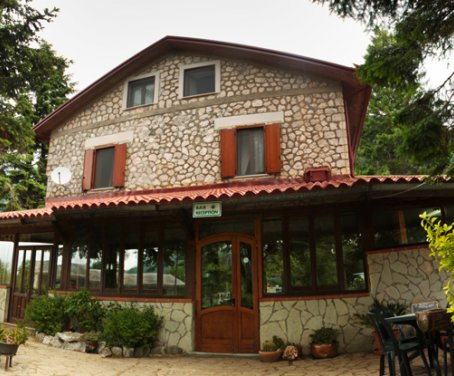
407 32
441 242
32 83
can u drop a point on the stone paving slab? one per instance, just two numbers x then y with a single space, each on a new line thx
36 359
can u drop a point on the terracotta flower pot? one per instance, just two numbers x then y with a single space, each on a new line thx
270 356
323 350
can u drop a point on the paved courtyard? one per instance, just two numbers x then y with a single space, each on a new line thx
36 359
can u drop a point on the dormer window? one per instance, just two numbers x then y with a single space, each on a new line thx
141 91
199 79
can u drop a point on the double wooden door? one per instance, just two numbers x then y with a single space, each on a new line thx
31 277
226 295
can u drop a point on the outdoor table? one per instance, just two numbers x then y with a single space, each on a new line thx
436 322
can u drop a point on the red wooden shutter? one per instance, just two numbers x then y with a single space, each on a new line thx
119 168
273 148
87 179
228 153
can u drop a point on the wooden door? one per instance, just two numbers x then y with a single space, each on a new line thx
31 278
226 296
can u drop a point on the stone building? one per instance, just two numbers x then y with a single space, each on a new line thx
215 182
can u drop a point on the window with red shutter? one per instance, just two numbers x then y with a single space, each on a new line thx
250 151
273 148
228 153
104 167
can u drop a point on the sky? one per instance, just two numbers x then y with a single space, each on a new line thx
98 35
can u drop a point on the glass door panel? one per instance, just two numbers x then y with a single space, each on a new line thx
246 271
37 272
217 275
23 271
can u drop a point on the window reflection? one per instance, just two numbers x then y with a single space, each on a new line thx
354 277
325 251
174 265
273 256
299 253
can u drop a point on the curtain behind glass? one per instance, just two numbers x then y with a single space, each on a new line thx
250 151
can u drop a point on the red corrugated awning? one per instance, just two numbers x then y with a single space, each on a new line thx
207 192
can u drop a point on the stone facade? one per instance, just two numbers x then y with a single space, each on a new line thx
175 142
178 324
405 276
4 294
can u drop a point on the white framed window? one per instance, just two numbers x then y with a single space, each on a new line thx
199 79
141 90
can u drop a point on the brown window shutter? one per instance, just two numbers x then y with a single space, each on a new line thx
119 167
87 180
228 153
273 148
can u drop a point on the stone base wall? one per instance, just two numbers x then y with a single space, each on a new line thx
178 323
405 275
4 302
295 320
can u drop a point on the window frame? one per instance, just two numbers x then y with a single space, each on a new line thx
186 67
144 76
118 167
229 150
120 289
314 289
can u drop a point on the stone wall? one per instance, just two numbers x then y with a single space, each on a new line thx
178 323
175 142
405 276
4 301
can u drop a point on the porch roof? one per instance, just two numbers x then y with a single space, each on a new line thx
207 192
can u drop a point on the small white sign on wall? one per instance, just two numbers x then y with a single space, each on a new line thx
206 209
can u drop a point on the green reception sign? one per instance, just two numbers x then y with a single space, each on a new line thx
206 209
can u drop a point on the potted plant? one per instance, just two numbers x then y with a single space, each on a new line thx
290 353
394 308
269 352
10 340
91 339
324 343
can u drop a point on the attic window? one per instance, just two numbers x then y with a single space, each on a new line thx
199 79
141 91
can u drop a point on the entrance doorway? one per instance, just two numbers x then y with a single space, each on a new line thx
227 295
31 278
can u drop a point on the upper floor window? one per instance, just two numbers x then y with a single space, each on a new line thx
104 167
250 151
198 79
141 90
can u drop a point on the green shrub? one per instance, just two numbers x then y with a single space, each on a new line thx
46 314
130 326
83 312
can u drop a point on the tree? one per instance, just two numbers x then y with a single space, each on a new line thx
407 32
404 132
32 83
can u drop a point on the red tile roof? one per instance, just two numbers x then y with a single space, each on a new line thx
32 213
207 192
